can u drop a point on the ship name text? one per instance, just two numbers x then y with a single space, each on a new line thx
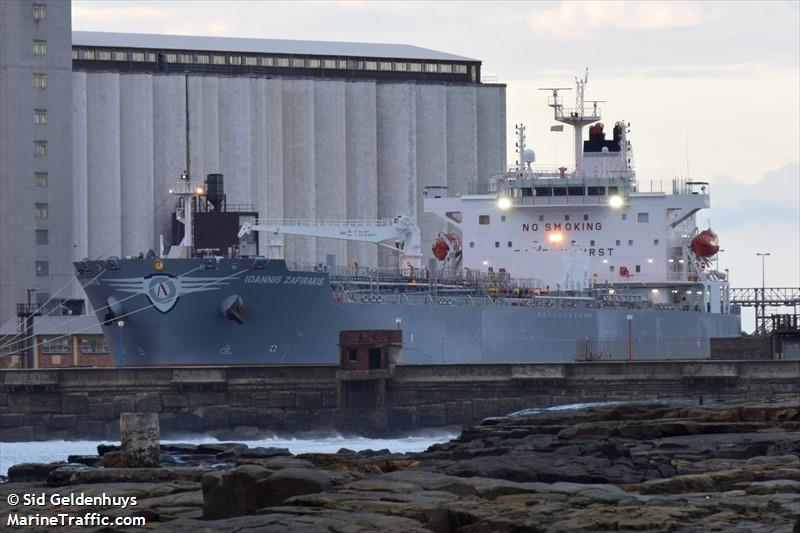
285 280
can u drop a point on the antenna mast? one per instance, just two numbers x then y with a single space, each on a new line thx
577 117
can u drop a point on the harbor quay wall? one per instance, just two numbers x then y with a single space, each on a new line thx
242 402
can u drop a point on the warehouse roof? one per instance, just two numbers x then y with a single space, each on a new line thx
262 46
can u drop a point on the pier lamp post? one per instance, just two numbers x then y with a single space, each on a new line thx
630 337
763 327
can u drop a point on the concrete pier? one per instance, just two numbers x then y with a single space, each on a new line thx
86 403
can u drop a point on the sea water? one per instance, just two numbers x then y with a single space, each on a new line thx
12 453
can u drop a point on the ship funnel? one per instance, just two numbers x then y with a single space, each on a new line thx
215 191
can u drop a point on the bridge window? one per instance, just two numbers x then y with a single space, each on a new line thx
585 217
559 191
624 216
630 242
472 244
509 244
591 243
541 218
618 242
655 242
638 268
497 244
575 191
566 218
543 191
643 217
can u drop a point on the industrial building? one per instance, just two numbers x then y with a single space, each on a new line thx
96 127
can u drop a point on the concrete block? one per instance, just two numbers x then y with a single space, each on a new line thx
148 402
92 429
141 439
296 420
432 415
63 421
17 434
330 399
321 420
74 404
102 411
10 420
274 398
402 418
270 418
243 416
124 404
308 399
458 412
174 401
214 417
198 399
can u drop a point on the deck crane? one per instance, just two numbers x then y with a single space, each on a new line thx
401 230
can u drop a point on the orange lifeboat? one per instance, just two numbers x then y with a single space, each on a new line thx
705 244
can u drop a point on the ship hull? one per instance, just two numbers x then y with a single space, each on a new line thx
176 316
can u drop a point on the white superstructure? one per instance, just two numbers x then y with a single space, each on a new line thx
593 227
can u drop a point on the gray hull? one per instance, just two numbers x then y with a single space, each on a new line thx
176 316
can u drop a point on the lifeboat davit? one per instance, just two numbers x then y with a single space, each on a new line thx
442 245
705 244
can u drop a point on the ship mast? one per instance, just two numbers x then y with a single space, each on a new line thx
577 117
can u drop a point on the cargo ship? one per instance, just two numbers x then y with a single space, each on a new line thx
539 265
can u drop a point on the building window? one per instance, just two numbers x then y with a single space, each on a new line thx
87 54
371 65
42 268
74 54
638 268
58 344
655 242
251 61
235 60
40 179
483 220
618 242
352 355
472 244
40 210
171 58
282 61
39 47
298 62
314 63
415 67
42 236
385 65
137 56
460 69
342 63
401 67
39 11
219 60
39 148
624 216
120 56
151 57
329 63
40 117
446 68
431 67
509 244
93 344
184 58
39 80
642 217
266 62
630 242
104 55
497 244
202 59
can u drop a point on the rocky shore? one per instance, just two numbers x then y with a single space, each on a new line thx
626 467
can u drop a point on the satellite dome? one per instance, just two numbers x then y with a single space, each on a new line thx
528 155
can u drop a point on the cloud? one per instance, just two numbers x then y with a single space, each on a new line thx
577 20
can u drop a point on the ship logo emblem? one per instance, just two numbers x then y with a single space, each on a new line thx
163 291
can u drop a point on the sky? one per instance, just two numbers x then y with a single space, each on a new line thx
711 89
